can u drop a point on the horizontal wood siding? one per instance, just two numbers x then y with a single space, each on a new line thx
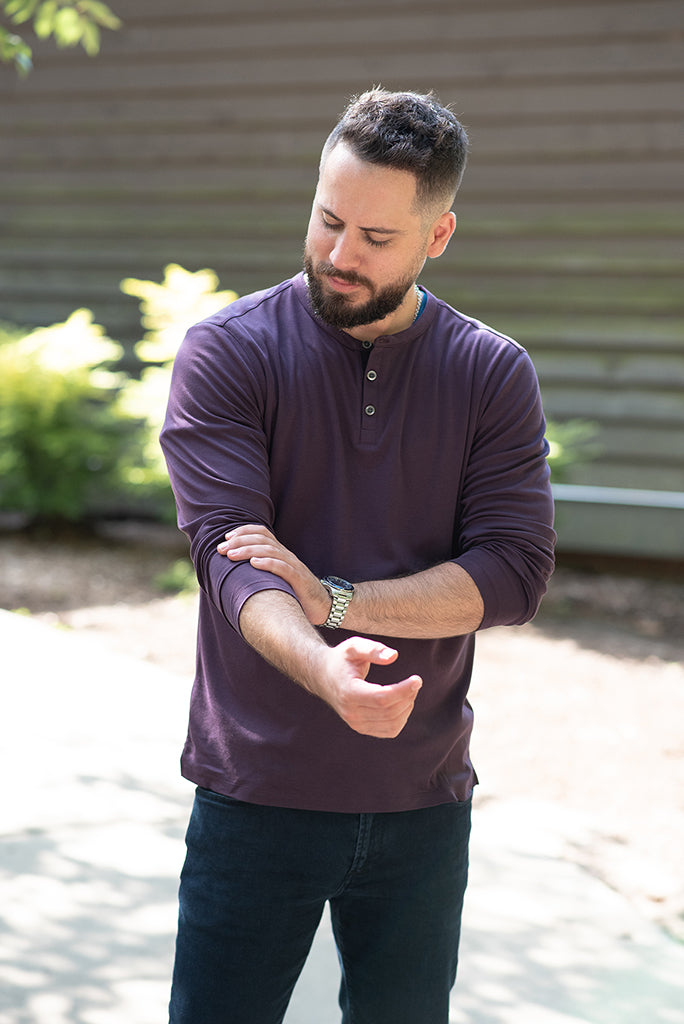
194 138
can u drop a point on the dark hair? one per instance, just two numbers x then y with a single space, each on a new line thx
410 132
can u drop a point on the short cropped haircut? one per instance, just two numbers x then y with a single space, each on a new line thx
409 132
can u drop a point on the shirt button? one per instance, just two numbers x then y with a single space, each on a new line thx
367 344
369 410
371 375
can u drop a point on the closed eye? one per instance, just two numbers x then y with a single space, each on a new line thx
336 225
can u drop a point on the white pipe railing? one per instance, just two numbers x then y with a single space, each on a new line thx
590 495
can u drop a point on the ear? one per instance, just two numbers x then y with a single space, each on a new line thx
440 233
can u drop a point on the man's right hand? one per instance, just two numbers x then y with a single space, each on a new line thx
367 708
273 623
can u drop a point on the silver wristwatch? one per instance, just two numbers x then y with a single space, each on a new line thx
341 592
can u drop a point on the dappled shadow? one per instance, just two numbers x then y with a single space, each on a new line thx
88 911
618 614
88 916
608 637
93 825
88 875
546 944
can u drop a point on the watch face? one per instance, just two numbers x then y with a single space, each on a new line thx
341 584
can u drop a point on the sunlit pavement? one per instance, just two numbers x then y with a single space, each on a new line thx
91 844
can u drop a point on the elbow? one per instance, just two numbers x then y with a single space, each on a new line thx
532 583
513 584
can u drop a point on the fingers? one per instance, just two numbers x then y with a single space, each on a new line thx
256 544
391 700
368 708
259 546
380 711
257 528
370 650
242 538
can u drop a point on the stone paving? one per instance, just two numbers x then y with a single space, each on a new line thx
91 844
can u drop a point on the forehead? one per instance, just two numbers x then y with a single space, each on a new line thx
366 194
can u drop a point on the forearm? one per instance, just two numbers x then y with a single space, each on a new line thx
438 602
272 622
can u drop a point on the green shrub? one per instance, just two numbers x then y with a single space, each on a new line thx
167 311
66 443
179 578
78 440
170 308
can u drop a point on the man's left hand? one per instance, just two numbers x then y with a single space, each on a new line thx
258 545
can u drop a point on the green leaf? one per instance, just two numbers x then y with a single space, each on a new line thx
20 11
69 21
44 22
90 38
99 13
13 7
68 27
23 62
8 43
14 50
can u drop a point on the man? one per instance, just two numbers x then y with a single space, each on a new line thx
361 472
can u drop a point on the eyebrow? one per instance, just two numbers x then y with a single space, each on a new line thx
375 231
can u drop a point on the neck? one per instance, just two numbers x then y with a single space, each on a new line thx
399 320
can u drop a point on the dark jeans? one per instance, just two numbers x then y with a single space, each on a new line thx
253 889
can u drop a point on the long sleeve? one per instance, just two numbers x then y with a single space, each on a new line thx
214 444
505 532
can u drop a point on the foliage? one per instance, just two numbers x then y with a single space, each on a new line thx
69 22
570 443
179 578
167 310
65 441
79 440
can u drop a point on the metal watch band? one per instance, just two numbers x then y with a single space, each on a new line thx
340 603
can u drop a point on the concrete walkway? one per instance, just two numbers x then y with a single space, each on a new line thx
91 844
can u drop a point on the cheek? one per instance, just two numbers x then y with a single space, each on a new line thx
317 242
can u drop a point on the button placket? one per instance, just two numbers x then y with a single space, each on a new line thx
370 398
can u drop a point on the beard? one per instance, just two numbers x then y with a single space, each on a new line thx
337 310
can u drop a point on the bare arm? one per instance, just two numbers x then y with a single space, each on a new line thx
437 602
274 624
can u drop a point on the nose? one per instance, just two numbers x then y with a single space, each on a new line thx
344 254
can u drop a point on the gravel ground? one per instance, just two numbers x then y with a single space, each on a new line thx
583 708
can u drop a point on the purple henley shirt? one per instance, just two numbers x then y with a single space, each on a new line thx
431 450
